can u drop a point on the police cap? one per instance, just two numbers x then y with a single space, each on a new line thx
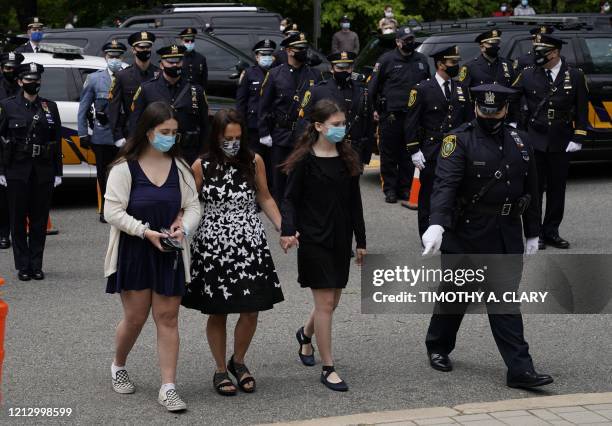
403 33
11 58
114 47
30 70
172 53
544 29
141 38
291 29
492 36
295 40
264 46
345 19
545 40
188 33
491 98
35 23
446 52
342 59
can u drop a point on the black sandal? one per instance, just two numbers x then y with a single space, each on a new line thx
222 380
341 386
238 371
307 360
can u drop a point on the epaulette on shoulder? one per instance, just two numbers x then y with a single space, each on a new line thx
464 127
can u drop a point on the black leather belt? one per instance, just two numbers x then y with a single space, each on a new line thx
506 209
34 150
554 114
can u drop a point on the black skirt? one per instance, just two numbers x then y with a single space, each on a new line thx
323 267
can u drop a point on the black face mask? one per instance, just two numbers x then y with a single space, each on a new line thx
492 51
342 77
540 57
31 88
452 71
143 55
300 55
492 126
408 47
9 75
173 72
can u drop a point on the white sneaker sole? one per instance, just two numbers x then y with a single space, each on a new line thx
124 391
175 408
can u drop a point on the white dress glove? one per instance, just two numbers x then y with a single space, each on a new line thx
531 246
513 124
3 180
418 159
573 147
58 181
266 140
119 143
432 239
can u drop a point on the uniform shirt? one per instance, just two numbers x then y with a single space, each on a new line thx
122 92
430 115
16 116
195 68
282 90
468 160
247 95
8 89
523 62
27 47
560 119
480 71
393 76
96 92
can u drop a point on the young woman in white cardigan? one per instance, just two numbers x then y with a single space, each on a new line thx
149 190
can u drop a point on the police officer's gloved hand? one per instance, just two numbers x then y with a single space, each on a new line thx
432 239
418 159
266 140
573 147
531 246
58 181
85 141
3 180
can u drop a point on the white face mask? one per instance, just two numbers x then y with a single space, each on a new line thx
388 14
388 31
282 28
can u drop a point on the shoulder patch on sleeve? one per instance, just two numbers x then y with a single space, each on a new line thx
264 83
412 98
242 74
306 99
449 144
463 73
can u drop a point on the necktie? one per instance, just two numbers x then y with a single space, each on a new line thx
447 92
549 74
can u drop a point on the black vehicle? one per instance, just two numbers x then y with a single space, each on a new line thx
224 61
589 47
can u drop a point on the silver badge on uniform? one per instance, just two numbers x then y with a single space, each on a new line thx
421 66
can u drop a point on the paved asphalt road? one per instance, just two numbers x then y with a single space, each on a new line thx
59 338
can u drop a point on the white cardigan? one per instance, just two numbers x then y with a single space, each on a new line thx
117 196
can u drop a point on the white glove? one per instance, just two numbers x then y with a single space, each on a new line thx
432 239
58 181
120 143
418 159
513 124
266 140
531 246
3 180
573 147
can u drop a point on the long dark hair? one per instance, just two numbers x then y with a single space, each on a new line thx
321 111
243 161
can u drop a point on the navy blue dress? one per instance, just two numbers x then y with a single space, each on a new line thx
140 265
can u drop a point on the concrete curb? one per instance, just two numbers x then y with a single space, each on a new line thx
472 408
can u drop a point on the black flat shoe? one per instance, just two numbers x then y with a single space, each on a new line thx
239 371
440 362
341 386
390 198
307 360
24 276
102 220
5 243
557 241
528 380
221 381
38 274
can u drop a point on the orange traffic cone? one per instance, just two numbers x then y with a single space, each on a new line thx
413 201
50 229
3 314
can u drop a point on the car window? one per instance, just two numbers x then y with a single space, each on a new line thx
520 48
243 21
54 84
150 23
217 58
599 54
239 41
179 22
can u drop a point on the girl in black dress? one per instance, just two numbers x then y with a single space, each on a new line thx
322 208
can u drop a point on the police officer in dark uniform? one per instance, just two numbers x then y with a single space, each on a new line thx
280 56
528 59
484 198
8 87
30 167
435 107
555 114
127 81
186 98
248 96
35 33
395 73
195 68
352 95
281 94
488 67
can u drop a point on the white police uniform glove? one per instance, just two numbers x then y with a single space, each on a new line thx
119 143
418 159
266 140
58 181
3 180
573 147
531 246
432 239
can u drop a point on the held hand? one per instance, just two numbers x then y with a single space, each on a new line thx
573 147
3 181
178 235
57 182
287 242
418 159
375 116
359 256
266 140
432 239
154 237
177 224
531 246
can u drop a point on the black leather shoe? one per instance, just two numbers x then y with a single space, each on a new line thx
390 198
5 243
529 379
102 220
38 274
440 362
24 276
557 241
307 360
341 386
541 244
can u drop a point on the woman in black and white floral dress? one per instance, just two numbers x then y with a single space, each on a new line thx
231 266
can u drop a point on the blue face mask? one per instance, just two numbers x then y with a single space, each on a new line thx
163 143
265 61
189 46
231 147
335 134
114 64
36 36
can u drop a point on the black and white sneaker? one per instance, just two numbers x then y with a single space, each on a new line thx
122 383
171 400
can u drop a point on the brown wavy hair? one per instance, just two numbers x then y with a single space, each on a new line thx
321 111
